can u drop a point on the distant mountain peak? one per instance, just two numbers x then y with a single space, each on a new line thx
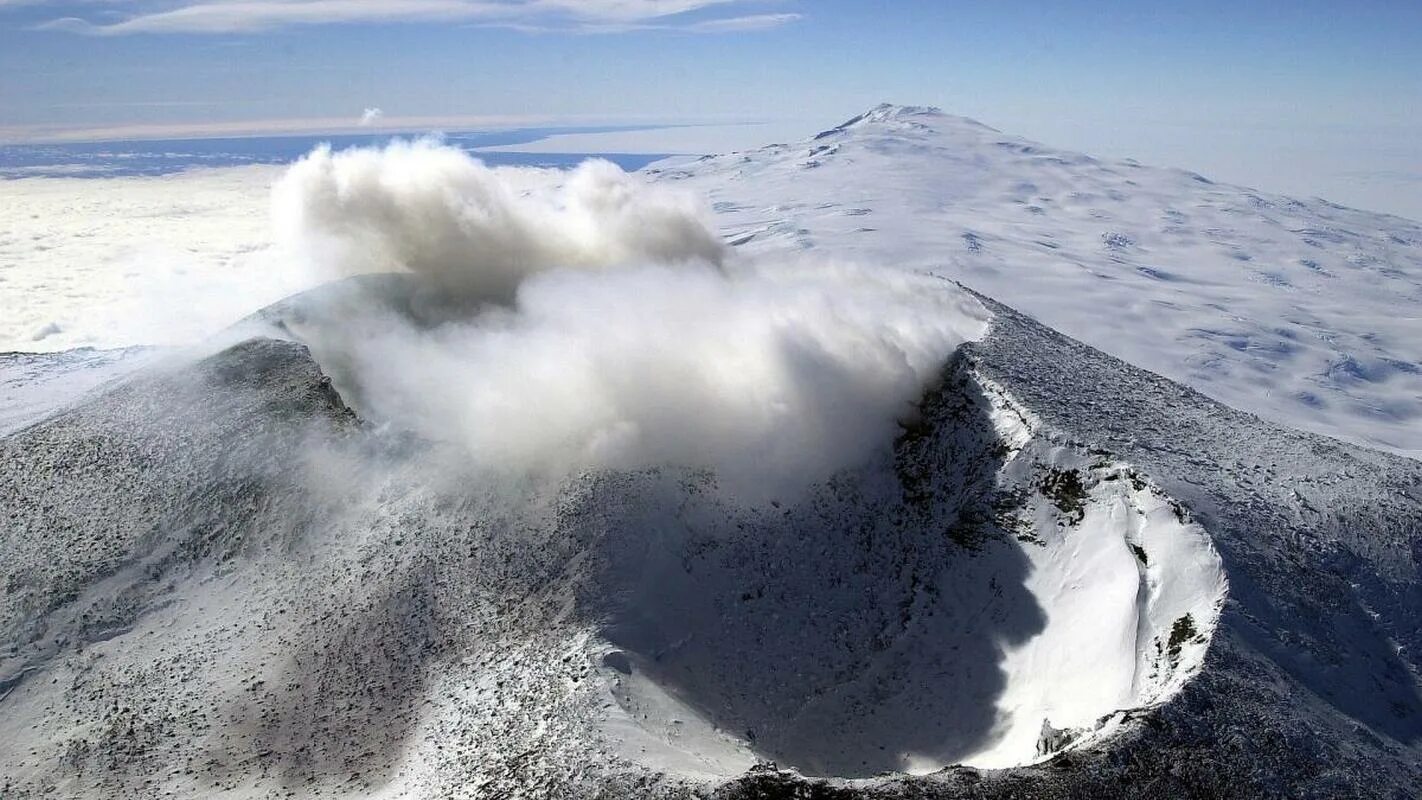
885 113
890 111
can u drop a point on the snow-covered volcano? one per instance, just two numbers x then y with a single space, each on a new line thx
977 593
220 579
981 591
1026 568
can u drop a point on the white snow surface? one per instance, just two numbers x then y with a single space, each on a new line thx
1301 311
1113 586
34 385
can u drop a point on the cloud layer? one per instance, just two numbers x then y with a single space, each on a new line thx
580 16
135 260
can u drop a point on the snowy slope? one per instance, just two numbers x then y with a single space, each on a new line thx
1299 310
944 604
34 385
220 579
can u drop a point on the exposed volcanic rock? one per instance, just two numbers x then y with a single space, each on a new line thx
284 599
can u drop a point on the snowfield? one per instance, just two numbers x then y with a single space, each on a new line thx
1299 310
134 261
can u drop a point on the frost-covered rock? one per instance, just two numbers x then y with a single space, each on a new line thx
219 579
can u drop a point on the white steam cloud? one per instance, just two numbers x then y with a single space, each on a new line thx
613 335
431 209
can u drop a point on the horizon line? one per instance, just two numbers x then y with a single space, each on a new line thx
333 126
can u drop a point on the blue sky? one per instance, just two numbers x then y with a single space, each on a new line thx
1257 79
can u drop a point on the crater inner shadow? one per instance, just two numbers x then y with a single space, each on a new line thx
858 631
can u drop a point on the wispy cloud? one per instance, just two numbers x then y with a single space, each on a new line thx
741 24
371 116
575 16
751 22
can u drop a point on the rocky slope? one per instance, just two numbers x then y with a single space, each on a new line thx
219 579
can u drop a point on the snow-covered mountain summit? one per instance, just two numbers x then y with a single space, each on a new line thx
904 117
1300 310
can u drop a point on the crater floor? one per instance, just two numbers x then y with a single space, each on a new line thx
1049 589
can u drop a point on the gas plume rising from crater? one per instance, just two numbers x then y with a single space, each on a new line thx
587 319
435 211
556 323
